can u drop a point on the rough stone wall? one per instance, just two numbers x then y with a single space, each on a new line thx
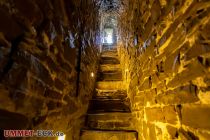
167 71
39 43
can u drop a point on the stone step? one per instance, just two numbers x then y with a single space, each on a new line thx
109 60
109 67
108 105
106 99
109 124
109 97
110 94
114 121
109 116
94 134
110 76
109 85
112 53
109 48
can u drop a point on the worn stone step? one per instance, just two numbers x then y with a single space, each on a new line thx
109 85
94 134
109 60
109 121
109 47
120 94
110 76
110 97
106 99
111 105
109 53
109 124
105 115
109 67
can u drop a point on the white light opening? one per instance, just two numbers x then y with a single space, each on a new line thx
109 39
108 35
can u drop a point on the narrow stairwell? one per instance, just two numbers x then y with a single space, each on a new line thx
109 115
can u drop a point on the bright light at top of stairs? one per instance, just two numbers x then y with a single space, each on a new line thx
109 39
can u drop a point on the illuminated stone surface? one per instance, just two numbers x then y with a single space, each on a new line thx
157 72
166 72
110 108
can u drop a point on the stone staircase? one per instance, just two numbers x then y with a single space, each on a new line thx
109 116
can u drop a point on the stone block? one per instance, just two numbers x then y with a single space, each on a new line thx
150 97
191 71
16 76
204 95
145 85
148 28
155 11
155 80
170 114
203 135
197 50
183 94
28 104
71 105
159 133
150 49
152 132
51 64
172 63
34 65
145 132
196 116
172 131
33 84
139 100
154 114
161 87
18 97
53 94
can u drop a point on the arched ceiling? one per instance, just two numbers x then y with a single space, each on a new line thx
110 5
109 10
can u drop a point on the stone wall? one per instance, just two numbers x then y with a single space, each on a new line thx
39 57
167 71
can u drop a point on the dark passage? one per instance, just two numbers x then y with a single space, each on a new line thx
105 69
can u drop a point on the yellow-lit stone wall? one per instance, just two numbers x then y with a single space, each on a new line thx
39 43
167 71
